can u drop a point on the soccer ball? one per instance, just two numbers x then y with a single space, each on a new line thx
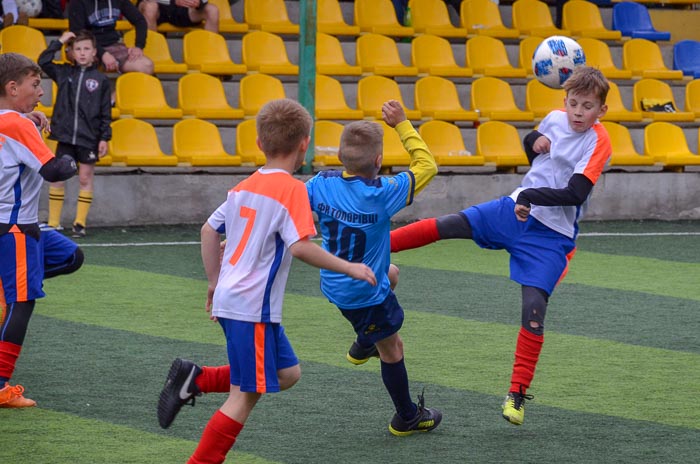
31 8
555 58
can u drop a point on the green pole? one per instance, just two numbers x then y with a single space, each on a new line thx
307 68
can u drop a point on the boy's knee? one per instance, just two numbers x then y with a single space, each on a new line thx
393 275
289 377
534 309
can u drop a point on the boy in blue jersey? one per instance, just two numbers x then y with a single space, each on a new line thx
354 209
537 223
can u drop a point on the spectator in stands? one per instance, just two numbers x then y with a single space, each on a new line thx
181 13
11 14
100 17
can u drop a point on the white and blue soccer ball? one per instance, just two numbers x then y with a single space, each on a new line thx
555 58
31 8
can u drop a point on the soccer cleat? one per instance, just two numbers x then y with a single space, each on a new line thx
179 390
426 419
78 231
11 397
514 407
359 355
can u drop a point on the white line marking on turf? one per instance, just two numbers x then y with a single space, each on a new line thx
589 234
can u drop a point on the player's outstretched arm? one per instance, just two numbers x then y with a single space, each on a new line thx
316 256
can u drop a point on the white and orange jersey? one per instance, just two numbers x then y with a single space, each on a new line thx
570 153
22 154
262 217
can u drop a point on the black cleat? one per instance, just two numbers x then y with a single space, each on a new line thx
179 390
78 231
426 419
359 355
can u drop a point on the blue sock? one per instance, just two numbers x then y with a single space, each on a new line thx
3 381
395 380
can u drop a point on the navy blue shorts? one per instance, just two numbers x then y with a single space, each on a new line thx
376 323
539 256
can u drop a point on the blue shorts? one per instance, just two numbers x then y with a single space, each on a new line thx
57 250
376 323
539 256
256 351
21 269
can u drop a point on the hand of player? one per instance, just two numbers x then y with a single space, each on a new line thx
66 36
110 62
135 53
522 212
542 145
361 271
39 119
102 148
393 113
210 299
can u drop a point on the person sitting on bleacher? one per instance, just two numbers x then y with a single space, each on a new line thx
180 13
100 17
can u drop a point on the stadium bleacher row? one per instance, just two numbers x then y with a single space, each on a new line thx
468 88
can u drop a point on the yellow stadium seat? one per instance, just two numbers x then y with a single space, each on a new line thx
528 45
379 17
158 51
447 144
666 143
617 111
327 140
499 143
135 143
482 17
48 109
330 58
227 23
541 99
487 56
330 100
598 56
583 19
660 92
199 143
373 91
437 98
57 24
140 95
246 144
692 97
269 16
433 55
431 17
378 54
202 96
623 151
256 90
266 53
329 19
643 58
24 40
207 52
394 152
532 17
493 99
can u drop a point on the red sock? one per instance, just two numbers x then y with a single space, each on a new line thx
217 439
527 352
9 352
214 379
414 235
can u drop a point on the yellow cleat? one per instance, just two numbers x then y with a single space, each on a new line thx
11 397
514 407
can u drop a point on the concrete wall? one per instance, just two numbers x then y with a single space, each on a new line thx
180 195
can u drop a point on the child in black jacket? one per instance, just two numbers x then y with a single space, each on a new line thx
81 119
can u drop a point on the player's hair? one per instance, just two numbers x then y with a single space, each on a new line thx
360 143
586 79
83 35
15 67
282 124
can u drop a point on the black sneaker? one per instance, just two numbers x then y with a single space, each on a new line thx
426 419
179 390
78 231
359 355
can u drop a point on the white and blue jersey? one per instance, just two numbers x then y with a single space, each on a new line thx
354 214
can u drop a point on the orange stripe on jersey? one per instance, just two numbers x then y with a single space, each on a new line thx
24 131
600 155
260 381
569 257
21 260
288 191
